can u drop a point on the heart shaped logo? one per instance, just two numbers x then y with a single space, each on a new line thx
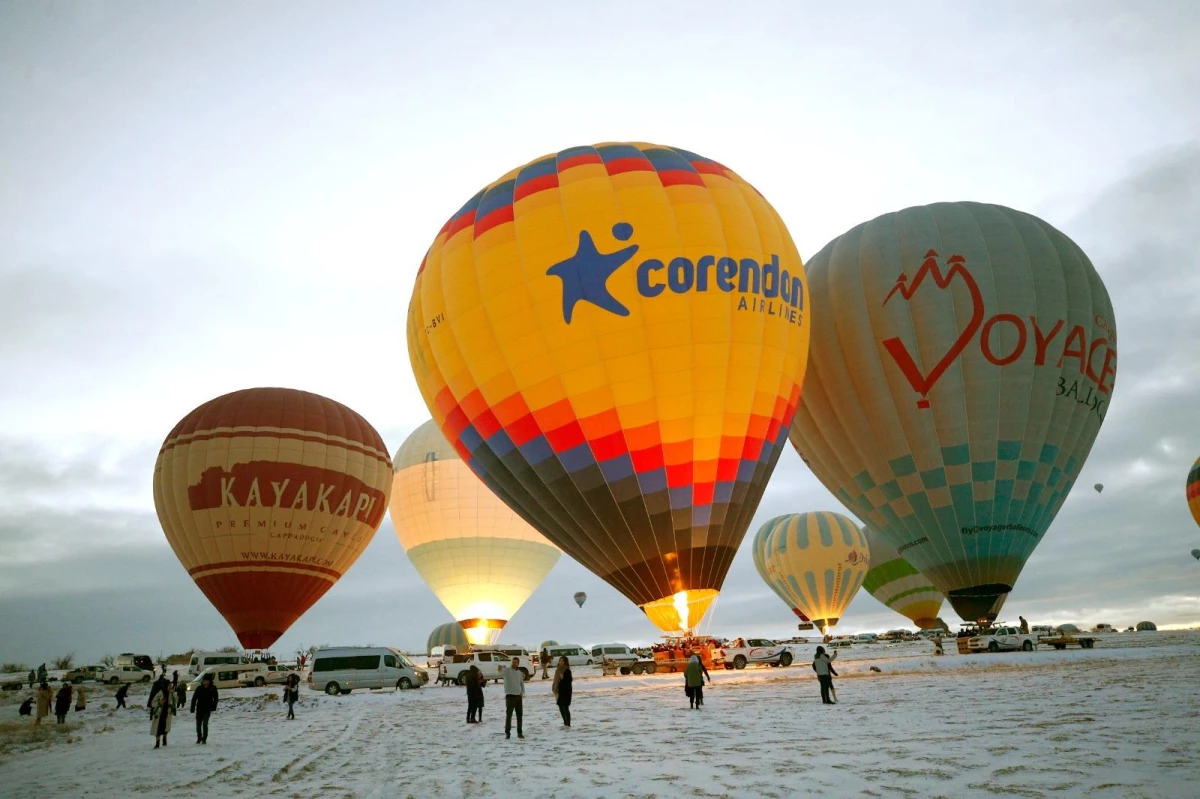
922 383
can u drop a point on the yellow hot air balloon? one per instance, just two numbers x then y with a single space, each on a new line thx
481 559
614 338
894 582
268 496
818 560
963 360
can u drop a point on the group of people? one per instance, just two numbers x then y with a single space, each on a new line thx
168 696
61 701
695 674
514 694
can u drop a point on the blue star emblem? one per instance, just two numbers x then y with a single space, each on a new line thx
585 274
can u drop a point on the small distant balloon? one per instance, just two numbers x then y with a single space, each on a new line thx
1099 487
1196 554
580 598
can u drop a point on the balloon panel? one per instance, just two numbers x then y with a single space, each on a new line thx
481 560
894 582
450 634
962 365
819 560
267 496
614 339
1193 491
758 550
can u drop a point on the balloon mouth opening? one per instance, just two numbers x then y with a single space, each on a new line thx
482 632
927 624
825 625
258 639
979 603
681 611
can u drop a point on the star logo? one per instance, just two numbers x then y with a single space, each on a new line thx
585 274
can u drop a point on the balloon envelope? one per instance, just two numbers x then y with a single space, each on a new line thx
449 634
894 582
1099 487
1193 490
818 560
481 559
962 363
614 338
267 496
1196 554
580 598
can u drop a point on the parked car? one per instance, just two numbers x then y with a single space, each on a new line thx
759 651
341 670
491 665
120 674
130 659
511 651
83 674
620 653
278 673
1002 638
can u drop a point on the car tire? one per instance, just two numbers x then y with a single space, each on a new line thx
146 678
590 663
739 662
785 659
1060 646
651 668
259 682
114 680
404 684
993 646
623 669
636 668
1027 646
525 675
462 678
333 689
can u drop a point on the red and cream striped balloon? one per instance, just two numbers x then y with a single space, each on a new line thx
268 496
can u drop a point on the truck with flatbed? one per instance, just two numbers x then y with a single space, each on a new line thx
1063 640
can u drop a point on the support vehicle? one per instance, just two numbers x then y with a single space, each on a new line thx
756 651
340 670
999 639
491 665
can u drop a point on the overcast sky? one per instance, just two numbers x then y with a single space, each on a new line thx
201 197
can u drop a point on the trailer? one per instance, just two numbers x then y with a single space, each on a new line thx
1064 640
610 667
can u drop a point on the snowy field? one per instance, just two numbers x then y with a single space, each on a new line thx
1120 720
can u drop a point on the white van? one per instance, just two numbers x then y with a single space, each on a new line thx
232 675
618 652
202 660
340 670
576 655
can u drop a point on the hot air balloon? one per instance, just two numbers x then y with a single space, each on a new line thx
580 598
614 338
1099 487
894 582
481 559
760 564
1146 627
818 560
962 363
1196 554
268 496
1193 490
449 634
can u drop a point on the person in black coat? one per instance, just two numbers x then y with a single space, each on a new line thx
291 694
474 695
122 692
204 702
62 703
562 689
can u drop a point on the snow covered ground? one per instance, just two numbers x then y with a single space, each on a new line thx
1120 720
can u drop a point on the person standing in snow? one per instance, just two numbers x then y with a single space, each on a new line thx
545 659
474 695
291 694
694 675
204 702
122 692
80 700
32 677
160 716
561 688
44 698
180 691
823 666
160 684
514 694
62 703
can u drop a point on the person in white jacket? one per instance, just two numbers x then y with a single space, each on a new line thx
514 693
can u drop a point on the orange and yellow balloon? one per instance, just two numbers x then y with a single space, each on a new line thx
481 559
614 338
268 496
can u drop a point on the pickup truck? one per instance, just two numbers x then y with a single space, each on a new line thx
491 664
1002 638
757 650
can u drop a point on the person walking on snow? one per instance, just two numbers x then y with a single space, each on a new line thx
823 666
62 703
180 691
514 694
694 675
44 698
545 659
561 688
204 702
122 692
291 694
160 717
160 684
474 695
32 677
